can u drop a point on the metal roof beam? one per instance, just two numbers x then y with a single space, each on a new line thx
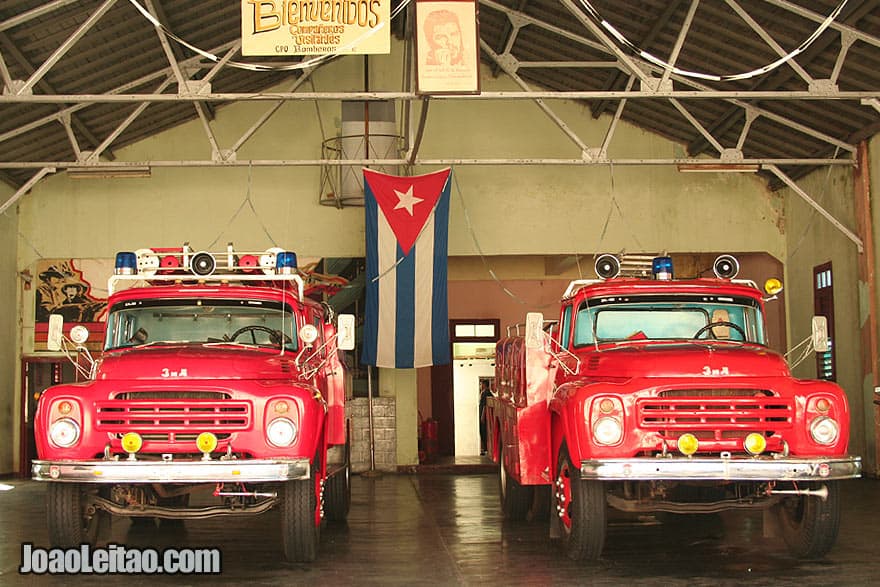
499 95
840 26
827 215
602 105
165 72
730 117
763 162
28 68
35 13
62 50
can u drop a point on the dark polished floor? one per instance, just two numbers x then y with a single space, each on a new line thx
443 529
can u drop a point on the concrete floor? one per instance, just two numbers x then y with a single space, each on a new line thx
442 529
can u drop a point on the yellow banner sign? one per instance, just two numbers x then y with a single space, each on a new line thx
315 27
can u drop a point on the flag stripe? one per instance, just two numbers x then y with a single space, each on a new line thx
440 311
389 252
371 311
406 296
424 284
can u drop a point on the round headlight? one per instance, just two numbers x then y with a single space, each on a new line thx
206 442
607 431
824 430
281 432
64 432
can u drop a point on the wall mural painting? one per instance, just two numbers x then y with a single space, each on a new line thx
65 287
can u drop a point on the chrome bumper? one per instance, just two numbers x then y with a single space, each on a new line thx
723 469
183 471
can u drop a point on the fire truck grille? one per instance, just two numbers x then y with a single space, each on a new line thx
717 413
135 395
178 416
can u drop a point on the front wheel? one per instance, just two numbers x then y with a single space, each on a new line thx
580 505
810 523
515 498
71 519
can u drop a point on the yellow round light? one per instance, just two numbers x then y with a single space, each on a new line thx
688 444
823 405
132 442
755 444
206 442
772 286
281 407
64 408
606 406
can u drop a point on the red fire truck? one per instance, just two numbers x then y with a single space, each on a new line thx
220 391
653 396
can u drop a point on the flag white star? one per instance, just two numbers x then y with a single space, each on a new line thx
407 200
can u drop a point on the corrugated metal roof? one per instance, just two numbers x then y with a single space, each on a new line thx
122 53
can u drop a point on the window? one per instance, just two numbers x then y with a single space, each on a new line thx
823 305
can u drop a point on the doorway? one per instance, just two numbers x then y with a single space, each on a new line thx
455 401
37 373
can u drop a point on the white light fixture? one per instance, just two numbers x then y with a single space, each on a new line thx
719 167
108 172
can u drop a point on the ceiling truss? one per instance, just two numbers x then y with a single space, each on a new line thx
719 140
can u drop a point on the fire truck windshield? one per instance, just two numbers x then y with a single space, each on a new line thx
170 321
668 318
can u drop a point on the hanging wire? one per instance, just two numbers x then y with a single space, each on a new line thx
489 270
342 50
819 200
623 40
249 203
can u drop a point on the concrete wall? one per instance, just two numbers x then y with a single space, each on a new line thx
502 210
812 240
9 333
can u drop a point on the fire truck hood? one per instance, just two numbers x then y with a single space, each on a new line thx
687 359
197 362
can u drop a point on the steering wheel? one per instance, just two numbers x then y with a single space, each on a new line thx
711 325
274 335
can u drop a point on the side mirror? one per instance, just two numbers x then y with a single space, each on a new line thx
345 332
56 325
534 330
820 334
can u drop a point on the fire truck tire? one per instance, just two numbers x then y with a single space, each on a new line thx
300 530
69 523
809 523
337 495
581 509
516 499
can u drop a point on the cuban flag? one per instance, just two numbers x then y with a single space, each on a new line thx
407 227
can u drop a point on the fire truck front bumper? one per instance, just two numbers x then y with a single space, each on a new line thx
171 471
722 469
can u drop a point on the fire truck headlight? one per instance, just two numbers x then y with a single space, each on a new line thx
281 432
607 431
64 432
824 430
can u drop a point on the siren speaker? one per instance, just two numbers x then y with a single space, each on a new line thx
726 267
202 263
607 266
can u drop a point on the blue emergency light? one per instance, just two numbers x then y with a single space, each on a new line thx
661 268
126 263
285 262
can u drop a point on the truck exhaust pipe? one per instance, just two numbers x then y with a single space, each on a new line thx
822 492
